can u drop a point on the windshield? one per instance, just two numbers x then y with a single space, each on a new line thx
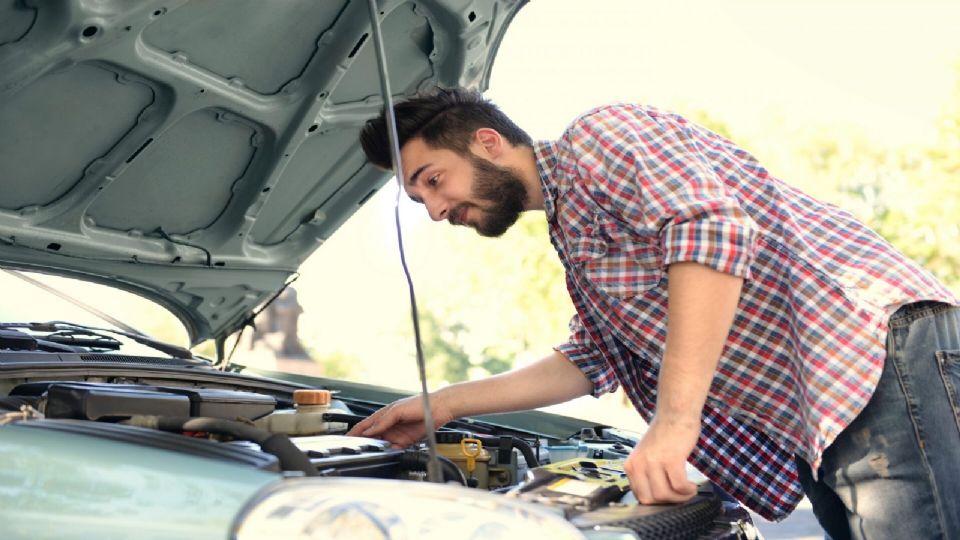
36 299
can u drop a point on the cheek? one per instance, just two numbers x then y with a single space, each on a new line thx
459 190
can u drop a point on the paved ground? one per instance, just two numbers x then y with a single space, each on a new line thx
801 525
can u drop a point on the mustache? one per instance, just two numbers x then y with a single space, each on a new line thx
457 213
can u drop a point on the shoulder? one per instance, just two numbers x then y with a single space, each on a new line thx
621 120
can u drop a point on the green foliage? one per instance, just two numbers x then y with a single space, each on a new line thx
911 196
499 303
447 360
337 365
713 124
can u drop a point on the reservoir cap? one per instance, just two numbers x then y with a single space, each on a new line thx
311 397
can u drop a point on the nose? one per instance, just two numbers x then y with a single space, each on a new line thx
437 208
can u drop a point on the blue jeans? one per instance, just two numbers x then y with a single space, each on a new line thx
895 471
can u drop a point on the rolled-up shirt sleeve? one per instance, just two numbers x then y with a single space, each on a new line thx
651 171
580 350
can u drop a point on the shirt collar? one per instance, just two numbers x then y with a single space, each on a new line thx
545 153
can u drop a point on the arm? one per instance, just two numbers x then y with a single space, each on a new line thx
702 304
667 178
548 381
551 380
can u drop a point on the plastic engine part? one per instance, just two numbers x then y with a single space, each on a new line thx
101 401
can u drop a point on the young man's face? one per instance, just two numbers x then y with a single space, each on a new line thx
464 190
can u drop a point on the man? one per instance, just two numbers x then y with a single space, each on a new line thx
771 339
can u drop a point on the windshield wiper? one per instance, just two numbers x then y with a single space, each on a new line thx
55 327
84 339
15 340
88 308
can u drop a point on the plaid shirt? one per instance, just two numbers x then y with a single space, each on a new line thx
629 190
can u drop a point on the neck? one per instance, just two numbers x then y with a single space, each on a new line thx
526 164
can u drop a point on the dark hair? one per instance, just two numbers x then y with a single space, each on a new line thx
443 119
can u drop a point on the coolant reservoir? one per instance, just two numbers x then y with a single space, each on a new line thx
305 419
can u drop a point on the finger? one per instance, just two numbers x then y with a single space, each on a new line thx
682 486
360 426
378 426
640 485
365 424
379 422
403 435
660 489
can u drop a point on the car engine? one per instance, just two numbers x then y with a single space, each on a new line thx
582 478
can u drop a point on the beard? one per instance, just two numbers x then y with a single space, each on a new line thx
502 188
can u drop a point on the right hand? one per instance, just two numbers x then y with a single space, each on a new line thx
401 422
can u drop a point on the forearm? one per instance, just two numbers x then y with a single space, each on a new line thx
548 381
702 304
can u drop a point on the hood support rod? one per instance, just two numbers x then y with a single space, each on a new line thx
84 306
433 465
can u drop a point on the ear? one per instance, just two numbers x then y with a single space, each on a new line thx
488 143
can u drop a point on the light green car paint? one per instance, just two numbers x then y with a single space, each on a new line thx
67 486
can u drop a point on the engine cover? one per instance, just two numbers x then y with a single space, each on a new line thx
111 402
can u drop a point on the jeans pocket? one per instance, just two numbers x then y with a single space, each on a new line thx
949 364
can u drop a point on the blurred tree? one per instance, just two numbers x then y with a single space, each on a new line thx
498 302
712 123
336 365
911 196
447 360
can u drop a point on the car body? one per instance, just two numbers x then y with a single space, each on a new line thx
195 153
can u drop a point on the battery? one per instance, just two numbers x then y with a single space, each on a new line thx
575 485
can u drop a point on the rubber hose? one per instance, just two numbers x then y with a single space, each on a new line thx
451 472
290 457
527 452
349 419
521 445
417 461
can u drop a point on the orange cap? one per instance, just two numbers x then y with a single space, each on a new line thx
311 397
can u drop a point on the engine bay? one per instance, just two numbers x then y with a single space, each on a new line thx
303 433
311 420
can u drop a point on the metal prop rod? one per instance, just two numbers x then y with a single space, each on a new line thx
433 465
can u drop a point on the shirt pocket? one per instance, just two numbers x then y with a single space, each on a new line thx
615 261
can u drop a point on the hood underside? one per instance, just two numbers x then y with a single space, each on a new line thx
196 152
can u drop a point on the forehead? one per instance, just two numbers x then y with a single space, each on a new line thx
417 156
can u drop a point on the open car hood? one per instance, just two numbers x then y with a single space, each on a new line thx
196 152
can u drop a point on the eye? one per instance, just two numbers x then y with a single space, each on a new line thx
433 180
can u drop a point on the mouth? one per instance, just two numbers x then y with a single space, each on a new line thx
458 215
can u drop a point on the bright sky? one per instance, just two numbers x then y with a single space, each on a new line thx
882 66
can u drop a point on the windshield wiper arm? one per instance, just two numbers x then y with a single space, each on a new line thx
175 351
72 340
83 338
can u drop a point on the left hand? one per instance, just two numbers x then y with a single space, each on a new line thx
657 466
